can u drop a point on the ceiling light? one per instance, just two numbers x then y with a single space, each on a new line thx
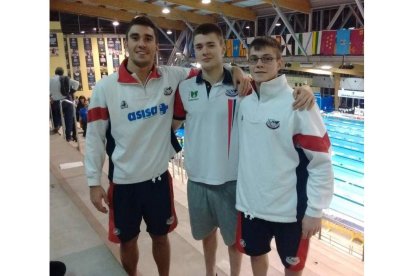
94 29
165 9
206 1
278 24
115 23
351 28
247 27
82 32
169 32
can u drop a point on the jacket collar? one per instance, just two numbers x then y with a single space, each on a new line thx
226 80
125 76
271 89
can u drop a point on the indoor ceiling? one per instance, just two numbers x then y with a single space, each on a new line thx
96 16
183 12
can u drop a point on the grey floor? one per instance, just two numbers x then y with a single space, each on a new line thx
73 241
78 232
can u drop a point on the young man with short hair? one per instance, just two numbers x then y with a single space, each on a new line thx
209 102
129 119
285 176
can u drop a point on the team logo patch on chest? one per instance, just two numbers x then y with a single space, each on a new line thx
232 93
168 91
124 105
193 95
272 124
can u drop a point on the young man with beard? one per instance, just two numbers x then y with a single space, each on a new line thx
129 118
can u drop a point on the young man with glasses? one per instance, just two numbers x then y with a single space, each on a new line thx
209 102
285 176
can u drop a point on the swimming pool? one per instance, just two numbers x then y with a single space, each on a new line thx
347 140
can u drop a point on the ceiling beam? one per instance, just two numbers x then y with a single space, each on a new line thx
153 10
345 20
235 32
360 7
357 17
273 26
289 27
338 12
219 8
302 6
94 11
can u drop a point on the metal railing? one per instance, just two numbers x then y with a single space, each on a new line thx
356 233
177 163
74 121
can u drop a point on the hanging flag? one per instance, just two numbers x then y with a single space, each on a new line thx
328 43
290 45
229 47
236 47
281 42
357 42
243 50
282 45
316 42
342 42
306 41
298 51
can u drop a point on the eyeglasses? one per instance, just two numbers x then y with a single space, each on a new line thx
265 59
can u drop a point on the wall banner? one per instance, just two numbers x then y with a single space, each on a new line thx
54 50
74 53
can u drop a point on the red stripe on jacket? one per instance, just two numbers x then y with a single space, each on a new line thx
98 113
313 143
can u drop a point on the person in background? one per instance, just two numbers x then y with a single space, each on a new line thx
79 105
209 102
285 176
67 108
83 117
